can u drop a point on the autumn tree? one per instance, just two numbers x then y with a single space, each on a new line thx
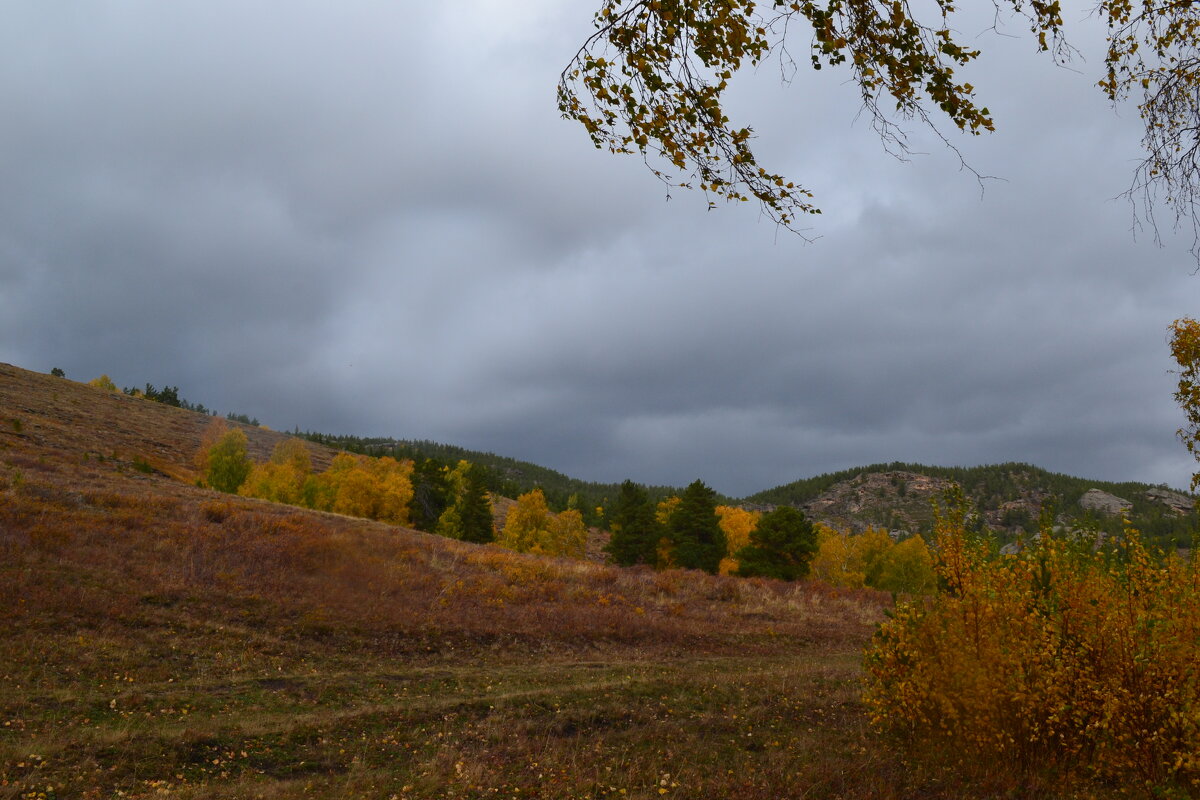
907 568
694 531
836 561
568 534
736 523
1185 349
227 462
872 558
372 488
664 557
651 81
286 478
781 546
103 382
531 527
635 527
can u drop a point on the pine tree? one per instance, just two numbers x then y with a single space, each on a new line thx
431 494
475 509
635 529
781 546
695 531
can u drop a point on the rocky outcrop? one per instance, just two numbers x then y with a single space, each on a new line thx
1104 503
893 500
1179 503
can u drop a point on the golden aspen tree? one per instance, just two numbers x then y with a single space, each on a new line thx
737 523
568 535
907 568
103 382
527 523
393 483
286 478
532 528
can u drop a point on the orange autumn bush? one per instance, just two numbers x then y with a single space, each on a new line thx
1063 657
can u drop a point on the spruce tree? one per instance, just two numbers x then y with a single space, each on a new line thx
431 494
695 530
635 529
781 546
475 509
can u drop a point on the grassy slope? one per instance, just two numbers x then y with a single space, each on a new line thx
159 640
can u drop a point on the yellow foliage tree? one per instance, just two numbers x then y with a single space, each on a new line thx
907 568
286 478
665 509
1185 349
393 480
103 382
212 434
532 528
568 534
737 523
836 561
662 513
873 559
1058 658
873 547
357 486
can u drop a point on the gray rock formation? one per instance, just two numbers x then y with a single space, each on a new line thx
1103 502
1179 503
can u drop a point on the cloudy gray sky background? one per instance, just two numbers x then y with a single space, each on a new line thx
369 218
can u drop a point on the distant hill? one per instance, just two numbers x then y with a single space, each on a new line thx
1008 498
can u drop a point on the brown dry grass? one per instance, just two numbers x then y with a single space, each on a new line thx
157 639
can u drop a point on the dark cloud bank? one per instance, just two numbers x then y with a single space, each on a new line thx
370 220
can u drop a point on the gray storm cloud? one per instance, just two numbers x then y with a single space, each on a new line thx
370 219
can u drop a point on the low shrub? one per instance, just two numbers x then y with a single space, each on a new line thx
1065 657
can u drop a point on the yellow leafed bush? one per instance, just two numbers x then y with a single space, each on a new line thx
1062 656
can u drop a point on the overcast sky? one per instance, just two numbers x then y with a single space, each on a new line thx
368 218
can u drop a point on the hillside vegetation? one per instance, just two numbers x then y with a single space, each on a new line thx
158 639
506 476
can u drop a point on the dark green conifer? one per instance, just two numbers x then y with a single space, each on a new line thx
635 529
475 509
781 546
694 529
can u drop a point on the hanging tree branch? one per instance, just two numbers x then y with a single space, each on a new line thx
652 78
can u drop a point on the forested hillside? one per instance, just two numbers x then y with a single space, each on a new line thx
1009 499
505 476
